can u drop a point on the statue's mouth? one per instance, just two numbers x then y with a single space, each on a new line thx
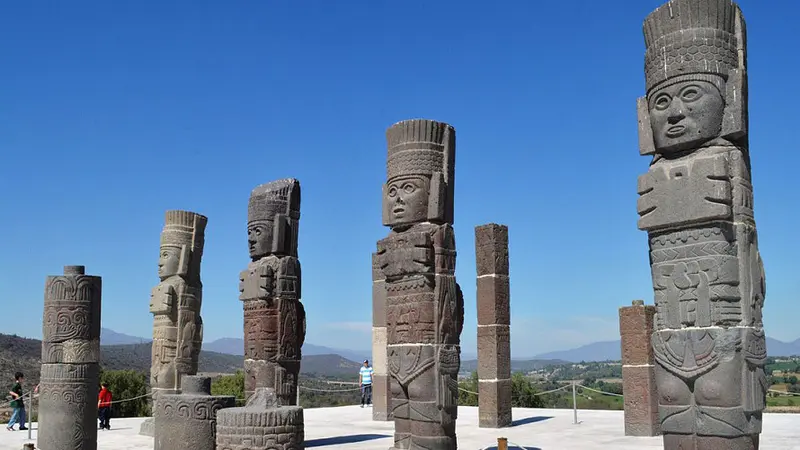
676 131
398 210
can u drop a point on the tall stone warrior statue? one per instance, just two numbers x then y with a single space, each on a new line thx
424 304
175 302
274 318
696 203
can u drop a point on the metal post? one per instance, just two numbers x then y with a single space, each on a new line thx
502 443
30 418
574 403
298 394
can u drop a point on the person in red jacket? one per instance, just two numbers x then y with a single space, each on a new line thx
104 407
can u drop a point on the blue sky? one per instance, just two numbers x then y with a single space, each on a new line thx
113 112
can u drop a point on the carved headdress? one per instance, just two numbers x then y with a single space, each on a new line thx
185 230
278 202
697 40
424 148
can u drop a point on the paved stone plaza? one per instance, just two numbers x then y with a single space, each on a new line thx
351 427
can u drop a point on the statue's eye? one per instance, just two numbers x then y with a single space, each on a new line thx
392 191
691 93
662 102
409 188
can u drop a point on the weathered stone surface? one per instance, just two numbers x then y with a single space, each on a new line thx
491 249
424 304
635 328
696 203
148 427
175 302
640 401
261 425
494 403
188 420
494 352
381 397
494 319
70 372
493 299
274 317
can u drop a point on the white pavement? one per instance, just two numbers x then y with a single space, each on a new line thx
352 427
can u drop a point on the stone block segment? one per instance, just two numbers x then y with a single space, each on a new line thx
70 361
189 419
424 305
262 424
638 370
494 331
380 362
696 205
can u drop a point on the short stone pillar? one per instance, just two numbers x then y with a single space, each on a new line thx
261 425
380 362
70 376
638 370
494 323
188 420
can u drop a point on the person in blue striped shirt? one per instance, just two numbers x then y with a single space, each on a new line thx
365 381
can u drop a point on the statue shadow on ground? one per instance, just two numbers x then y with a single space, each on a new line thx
528 420
339 440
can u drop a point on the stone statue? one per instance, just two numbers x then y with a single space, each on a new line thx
696 203
274 317
189 419
70 377
261 424
175 302
424 304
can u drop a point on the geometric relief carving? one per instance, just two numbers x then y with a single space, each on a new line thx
261 425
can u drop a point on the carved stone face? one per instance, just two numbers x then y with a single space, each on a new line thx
407 199
259 238
169 262
685 115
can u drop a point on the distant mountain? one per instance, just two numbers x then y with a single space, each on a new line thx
111 337
597 351
235 346
611 351
523 366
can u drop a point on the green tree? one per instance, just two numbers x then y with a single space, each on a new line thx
792 380
230 385
129 385
523 393
470 384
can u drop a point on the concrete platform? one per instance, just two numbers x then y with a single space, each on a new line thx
351 427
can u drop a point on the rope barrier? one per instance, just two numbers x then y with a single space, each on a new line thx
329 390
601 392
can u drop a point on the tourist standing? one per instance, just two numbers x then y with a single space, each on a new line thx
104 407
17 404
365 382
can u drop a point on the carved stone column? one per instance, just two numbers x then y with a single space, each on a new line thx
261 425
380 364
424 304
189 419
638 370
494 326
696 204
70 361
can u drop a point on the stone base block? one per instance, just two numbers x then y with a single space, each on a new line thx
494 403
249 428
381 397
148 428
641 401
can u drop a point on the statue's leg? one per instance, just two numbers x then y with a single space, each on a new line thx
677 414
431 426
399 408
